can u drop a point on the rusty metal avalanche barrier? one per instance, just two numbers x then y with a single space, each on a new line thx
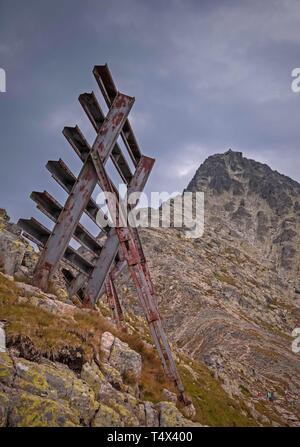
117 245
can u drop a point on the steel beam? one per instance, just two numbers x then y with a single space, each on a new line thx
102 268
52 208
81 192
107 86
61 174
137 184
76 283
114 301
39 234
111 245
66 179
92 108
65 226
94 112
77 141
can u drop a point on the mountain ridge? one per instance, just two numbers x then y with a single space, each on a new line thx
260 204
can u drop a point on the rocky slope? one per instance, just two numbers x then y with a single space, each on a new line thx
66 365
225 308
231 298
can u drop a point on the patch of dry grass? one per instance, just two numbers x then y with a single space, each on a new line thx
153 379
47 334
213 406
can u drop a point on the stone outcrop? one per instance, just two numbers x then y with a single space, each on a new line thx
9 244
49 394
224 306
126 361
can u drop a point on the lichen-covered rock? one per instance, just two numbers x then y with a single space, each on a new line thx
59 382
60 378
112 375
170 416
46 301
125 405
60 292
120 356
4 402
6 369
28 290
151 415
83 400
30 378
12 251
28 410
22 275
49 394
107 341
126 414
53 382
92 375
35 391
125 360
189 411
141 414
6 224
107 417
4 217
169 396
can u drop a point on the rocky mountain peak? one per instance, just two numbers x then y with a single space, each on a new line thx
260 204
231 172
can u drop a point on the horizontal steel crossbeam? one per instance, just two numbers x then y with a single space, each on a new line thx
93 110
66 179
107 86
39 234
52 208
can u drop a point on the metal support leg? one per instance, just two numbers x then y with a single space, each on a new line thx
113 301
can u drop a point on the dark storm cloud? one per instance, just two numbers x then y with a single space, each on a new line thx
207 75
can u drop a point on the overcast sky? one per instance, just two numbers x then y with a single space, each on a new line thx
207 76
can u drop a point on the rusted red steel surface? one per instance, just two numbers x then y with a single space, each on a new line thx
113 300
96 116
108 88
66 179
82 191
